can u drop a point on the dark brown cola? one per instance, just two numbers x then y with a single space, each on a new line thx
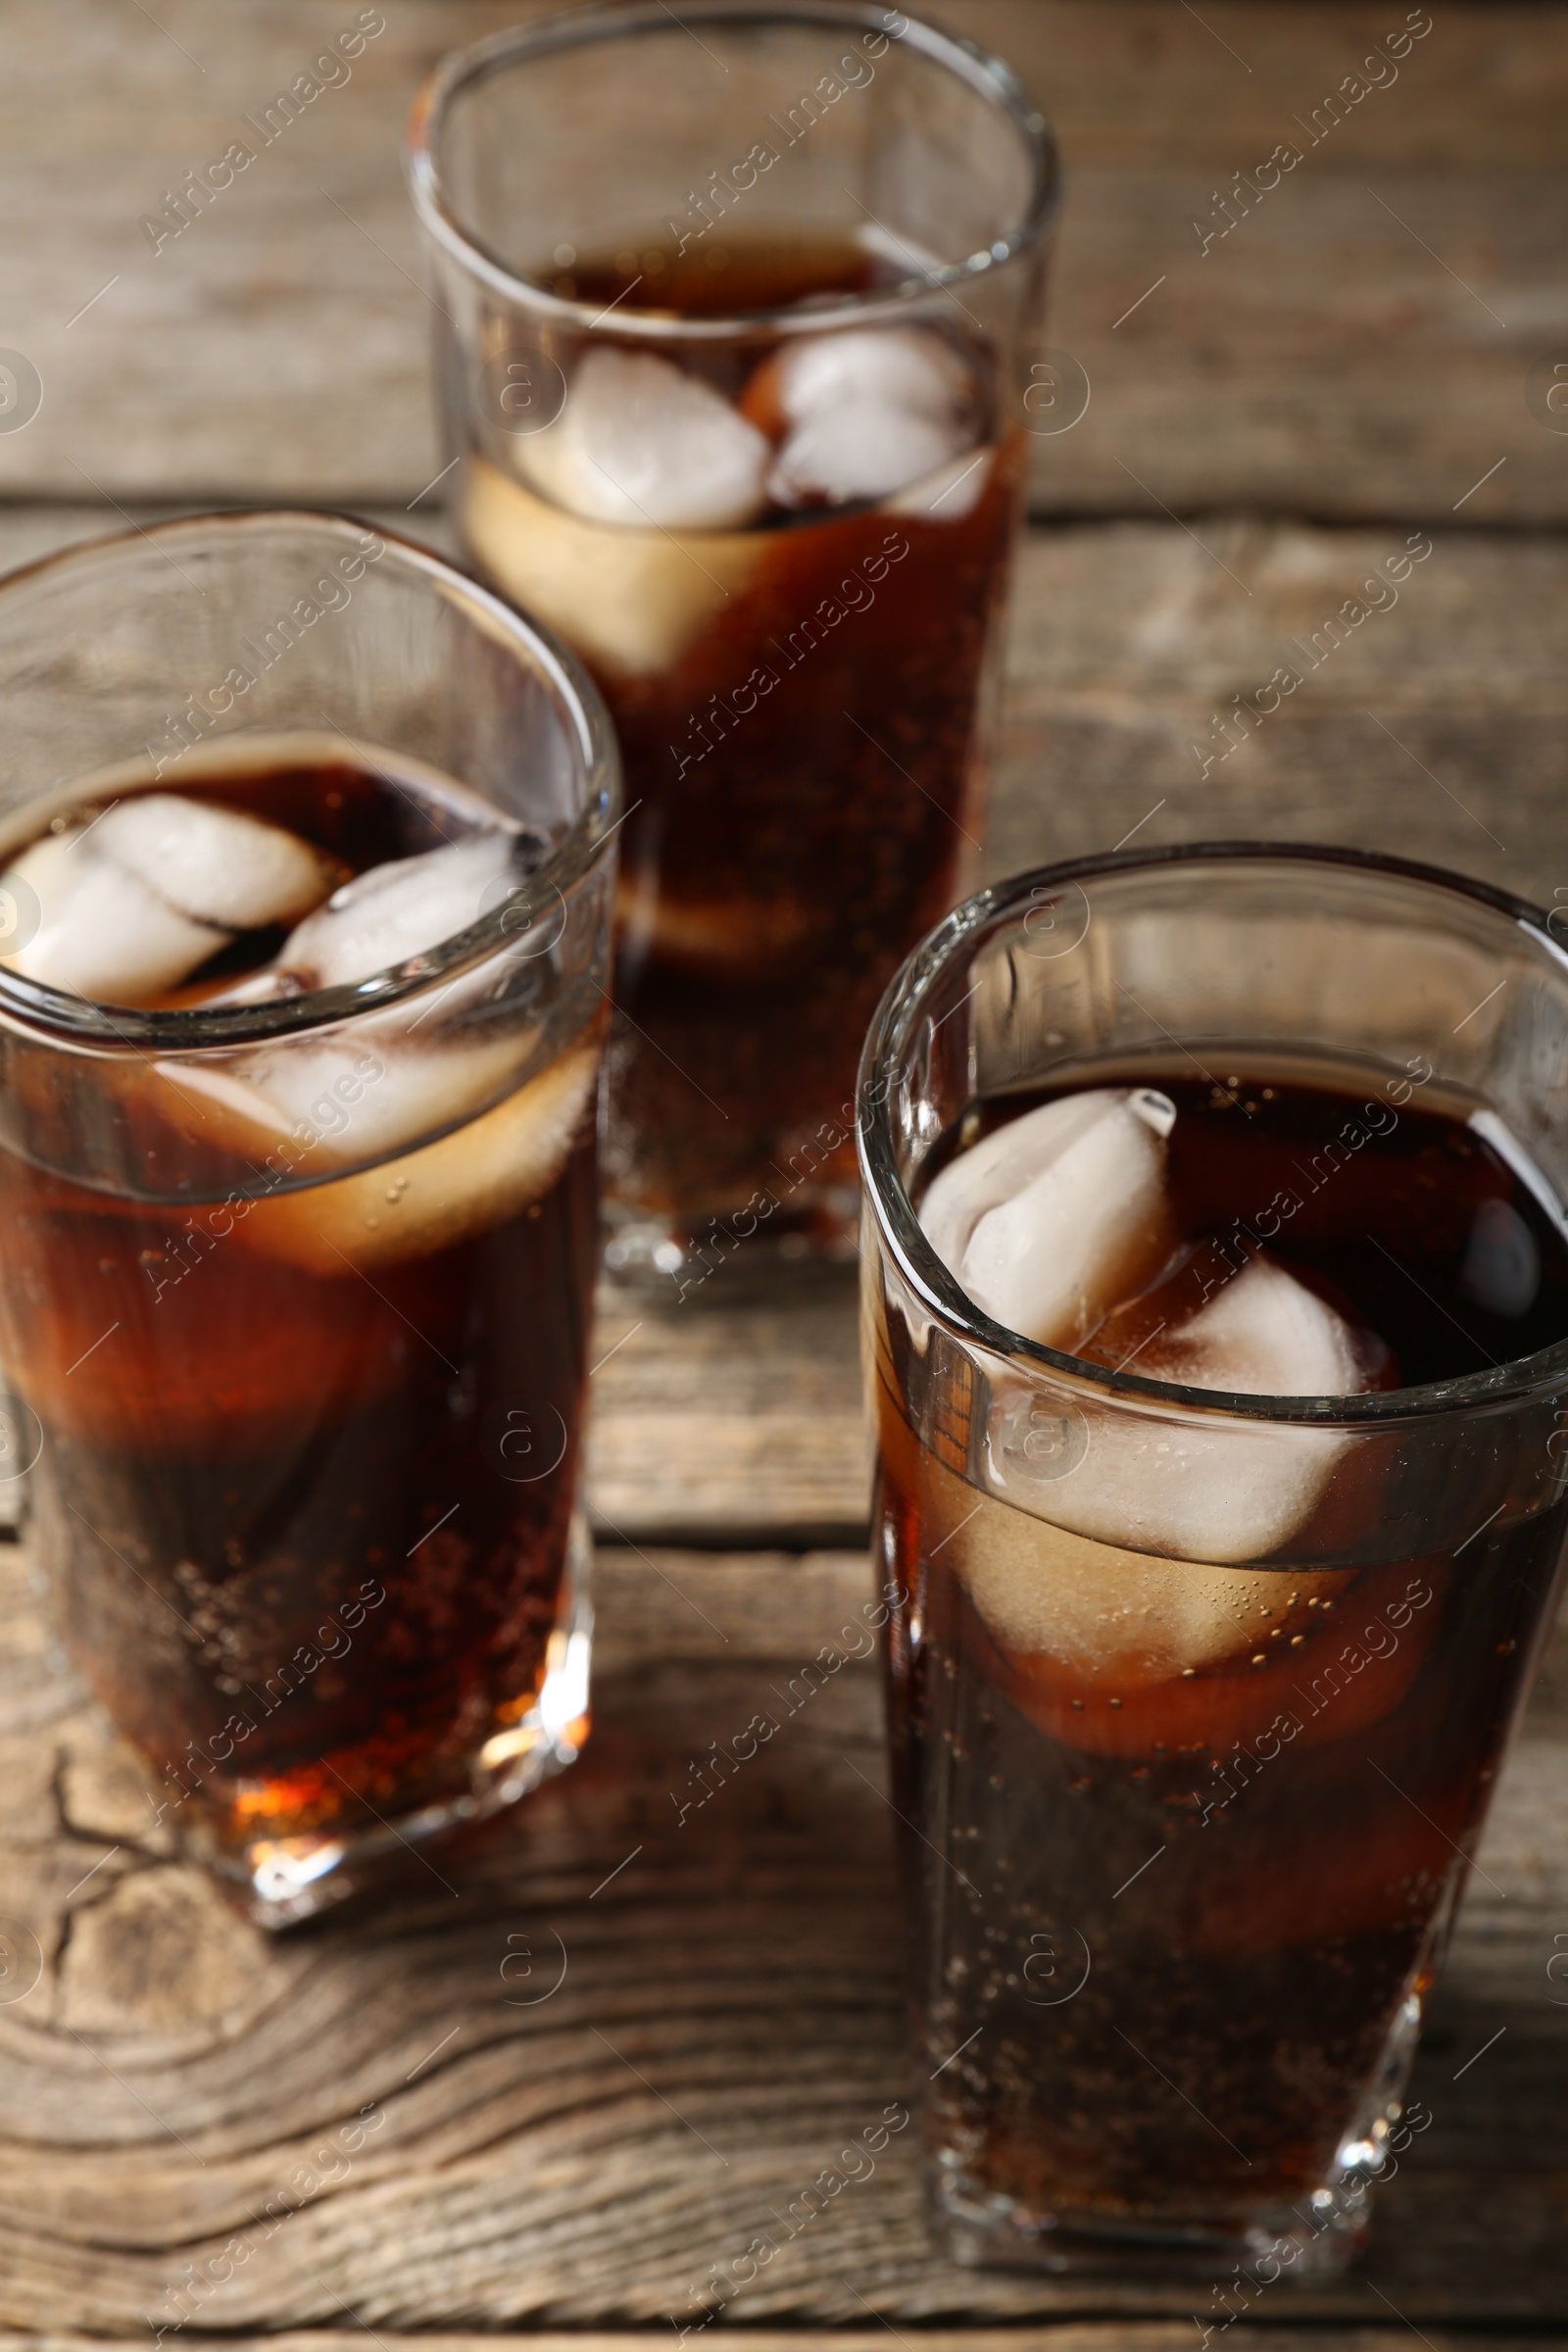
310 1437
802 707
1188 1921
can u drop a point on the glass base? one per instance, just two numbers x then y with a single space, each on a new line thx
679 1255
1314 2238
1236 2255
293 1879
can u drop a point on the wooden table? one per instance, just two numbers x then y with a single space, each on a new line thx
595 2049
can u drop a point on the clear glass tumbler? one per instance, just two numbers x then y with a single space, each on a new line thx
738 316
1187 1819
295 1293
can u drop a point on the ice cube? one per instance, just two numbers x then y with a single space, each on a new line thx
104 932
954 491
1264 1334
861 449
1501 1270
641 442
909 369
1060 1216
134 902
1195 1486
1057 1219
399 909
1114 1616
1087 1622
469 1178
340 1098
861 414
631 600
217 865
461 1185
357 1096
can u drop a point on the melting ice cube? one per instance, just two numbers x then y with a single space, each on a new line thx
1051 1223
136 901
104 933
1188 1485
860 450
1061 1215
1114 1619
218 866
361 1095
370 1096
1112 1615
952 491
868 412
640 441
398 1075
634 600
1205 1488
905 367
464 1183
1131 1570
1264 1334
399 909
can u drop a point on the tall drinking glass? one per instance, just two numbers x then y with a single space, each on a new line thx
1197 1697
737 314
295 1290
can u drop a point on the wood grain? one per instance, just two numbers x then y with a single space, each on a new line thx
729 1416
1087 2335
1435 729
592 2049
1355 347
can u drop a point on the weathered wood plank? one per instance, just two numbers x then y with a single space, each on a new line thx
1356 346
727 1415
534 2091
1062 2335
1434 729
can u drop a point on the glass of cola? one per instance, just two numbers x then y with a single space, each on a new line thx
735 368
1216 1312
307 883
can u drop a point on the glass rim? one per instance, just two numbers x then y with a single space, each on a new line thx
885 1055
81 1020
987 74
